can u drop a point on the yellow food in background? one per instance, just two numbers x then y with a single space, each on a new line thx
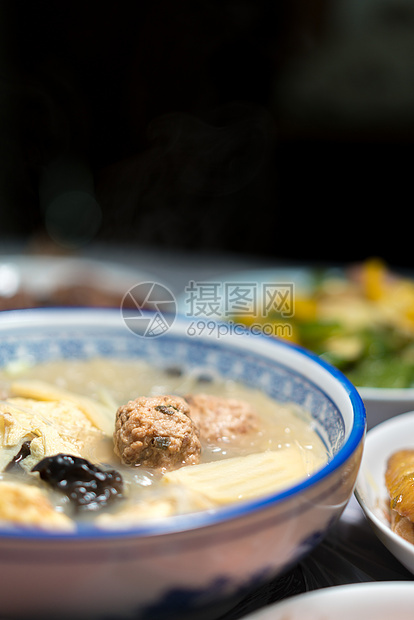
360 319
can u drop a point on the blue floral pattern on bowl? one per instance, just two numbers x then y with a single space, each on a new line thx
279 382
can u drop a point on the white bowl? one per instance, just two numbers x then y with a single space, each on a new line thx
358 601
41 277
371 491
198 564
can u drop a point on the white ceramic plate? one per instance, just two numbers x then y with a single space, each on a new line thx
40 276
380 403
370 490
377 600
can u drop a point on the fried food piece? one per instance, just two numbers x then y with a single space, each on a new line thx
27 506
402 526
156 432
219 417
399 480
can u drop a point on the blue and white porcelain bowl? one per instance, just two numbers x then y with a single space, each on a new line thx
184 566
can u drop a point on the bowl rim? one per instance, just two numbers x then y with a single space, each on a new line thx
98 317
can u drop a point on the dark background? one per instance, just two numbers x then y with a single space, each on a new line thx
280 128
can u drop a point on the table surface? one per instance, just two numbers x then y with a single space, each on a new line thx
351 552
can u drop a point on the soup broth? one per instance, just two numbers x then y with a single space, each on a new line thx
281 448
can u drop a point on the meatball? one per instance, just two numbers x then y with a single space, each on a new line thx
218 417
156 432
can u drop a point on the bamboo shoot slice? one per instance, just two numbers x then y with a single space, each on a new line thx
243 478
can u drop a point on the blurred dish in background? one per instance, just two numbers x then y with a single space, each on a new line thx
361 320
43 281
